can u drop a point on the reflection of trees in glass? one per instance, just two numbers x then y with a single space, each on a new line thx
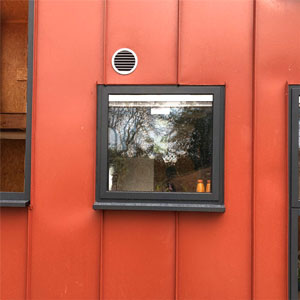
299 153
192 142
131 127
193 134
179 142
299 128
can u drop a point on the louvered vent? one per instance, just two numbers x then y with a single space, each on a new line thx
124 61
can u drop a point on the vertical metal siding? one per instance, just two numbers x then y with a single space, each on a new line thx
138 255
215 250
13 242
277 62
76 252
149 28
65 230
139 247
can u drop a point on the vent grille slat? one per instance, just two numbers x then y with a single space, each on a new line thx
124 65
124 61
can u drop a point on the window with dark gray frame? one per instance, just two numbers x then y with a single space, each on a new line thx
160 148
16 103
294 167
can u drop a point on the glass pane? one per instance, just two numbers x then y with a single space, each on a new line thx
299 148
160 143
298 268
13 95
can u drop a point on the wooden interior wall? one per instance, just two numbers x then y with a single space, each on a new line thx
14 10
12 165
14 67
13 101
13 56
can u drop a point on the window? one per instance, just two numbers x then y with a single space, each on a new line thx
294 254
294 166
160 148
16 99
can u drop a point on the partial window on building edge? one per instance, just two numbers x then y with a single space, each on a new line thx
294 176
16 102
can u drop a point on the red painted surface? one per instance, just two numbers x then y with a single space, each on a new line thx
139 255
65 259
13 241
215 249
277 62
139 247
75 252
150 29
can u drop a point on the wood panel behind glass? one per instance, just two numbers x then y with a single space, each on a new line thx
14 32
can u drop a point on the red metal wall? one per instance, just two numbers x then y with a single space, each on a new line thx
62 248
277 64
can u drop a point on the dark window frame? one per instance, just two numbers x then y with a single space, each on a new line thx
22 199
294 210
293 257
213 202
294 94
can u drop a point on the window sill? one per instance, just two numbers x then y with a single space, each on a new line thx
164 206
14 203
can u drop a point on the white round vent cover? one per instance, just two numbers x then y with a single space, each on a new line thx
124 61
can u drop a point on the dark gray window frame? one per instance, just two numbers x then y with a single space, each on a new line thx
293 257
294 211
210 202
22 199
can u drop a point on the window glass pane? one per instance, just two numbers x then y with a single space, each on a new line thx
299 148
298 268
160 143
14 24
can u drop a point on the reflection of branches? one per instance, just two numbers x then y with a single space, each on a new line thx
186 131
192 134
131 126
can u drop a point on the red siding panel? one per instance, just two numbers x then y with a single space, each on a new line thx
150 29
138 255
139 250
215 250
277 61
13 253
139 247
65 229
